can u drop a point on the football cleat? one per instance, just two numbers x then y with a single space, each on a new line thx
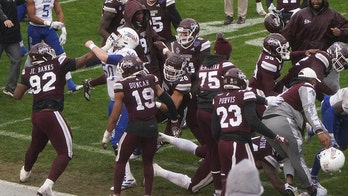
24 175
45 191
136 154
157 170
128 183
290 190
87 89
8 92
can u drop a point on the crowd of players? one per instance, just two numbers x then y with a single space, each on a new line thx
152 75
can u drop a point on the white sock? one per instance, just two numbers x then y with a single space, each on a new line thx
259 6
176 178
128 172
68 76
184 144
48 182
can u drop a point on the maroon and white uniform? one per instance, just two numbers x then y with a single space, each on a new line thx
210 84
163 14
320 62
139 99
267 71
47 81
194 56
232 126
183 86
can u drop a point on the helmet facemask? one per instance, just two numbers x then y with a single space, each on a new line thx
185 37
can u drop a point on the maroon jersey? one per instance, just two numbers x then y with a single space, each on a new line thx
194 55
161 21
229 109
47 81
139 96
320 62
210 82
267 71
292 97
117 8
288 5
263 151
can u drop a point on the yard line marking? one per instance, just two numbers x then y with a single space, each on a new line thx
67 1
14 122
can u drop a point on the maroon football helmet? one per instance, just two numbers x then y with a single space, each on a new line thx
174 68
130 66
40 53
234 78
339 54
276 45
273 23
188 32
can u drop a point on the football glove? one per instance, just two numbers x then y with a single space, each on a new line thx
110 42
281 140
62 37
54 24
274 101
106 139
175 128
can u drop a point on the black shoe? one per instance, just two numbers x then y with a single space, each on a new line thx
87 89
8 92
240 20
228 20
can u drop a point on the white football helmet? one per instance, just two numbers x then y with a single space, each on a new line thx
127 38
331 159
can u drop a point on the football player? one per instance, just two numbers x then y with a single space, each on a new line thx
287 120
163 15
177 83
112 18
124 44
138 17
210 75
233 118
264 156
42 27
269 66
46 78
334 114
194 49
326 64
138 92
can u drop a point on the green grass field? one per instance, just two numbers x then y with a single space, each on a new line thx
91 170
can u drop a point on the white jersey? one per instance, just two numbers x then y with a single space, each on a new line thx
43 10
341 95
111 72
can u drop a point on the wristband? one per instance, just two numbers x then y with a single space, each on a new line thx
165 50
47 23
158 104
92 46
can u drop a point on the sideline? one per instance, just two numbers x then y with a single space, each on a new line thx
15 189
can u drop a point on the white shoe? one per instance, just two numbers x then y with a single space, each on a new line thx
45 191
163 138
261 12
259 9
128 183
321 191
24 175
291 190
134 156
157 170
